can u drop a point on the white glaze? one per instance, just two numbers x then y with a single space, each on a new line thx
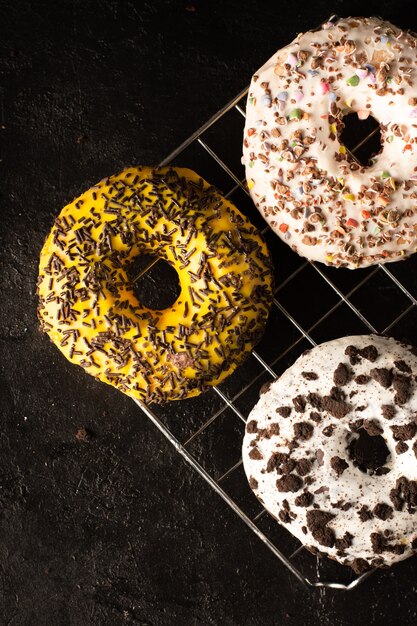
279 177
353 485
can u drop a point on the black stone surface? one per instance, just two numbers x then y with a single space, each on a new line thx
117 529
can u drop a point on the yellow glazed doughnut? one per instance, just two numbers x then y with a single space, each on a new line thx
89 310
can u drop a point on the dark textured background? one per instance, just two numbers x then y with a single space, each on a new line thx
118 530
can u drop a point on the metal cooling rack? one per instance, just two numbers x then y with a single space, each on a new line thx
338 302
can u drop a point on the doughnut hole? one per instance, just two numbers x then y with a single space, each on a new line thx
158 287
368 453
355 131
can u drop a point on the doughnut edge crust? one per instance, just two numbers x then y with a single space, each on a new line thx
297 455
90 312
310 190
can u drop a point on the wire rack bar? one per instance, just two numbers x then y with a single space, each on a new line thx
268 367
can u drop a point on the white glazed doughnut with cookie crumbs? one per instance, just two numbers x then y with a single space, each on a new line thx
330 450
307 185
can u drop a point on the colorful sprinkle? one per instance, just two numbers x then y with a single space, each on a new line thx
349 196
413 113
408 146
251 131
361 73
342 149
283 228
266 100
351 222
329 258
332 96
324 88
385 175
333 129
251 183
295 114
365 214
283 95
298 95
251 163
353 81
313 72
292 60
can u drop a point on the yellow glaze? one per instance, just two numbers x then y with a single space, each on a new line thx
89 310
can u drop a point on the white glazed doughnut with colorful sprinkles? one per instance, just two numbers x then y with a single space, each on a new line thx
307 185
330 450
